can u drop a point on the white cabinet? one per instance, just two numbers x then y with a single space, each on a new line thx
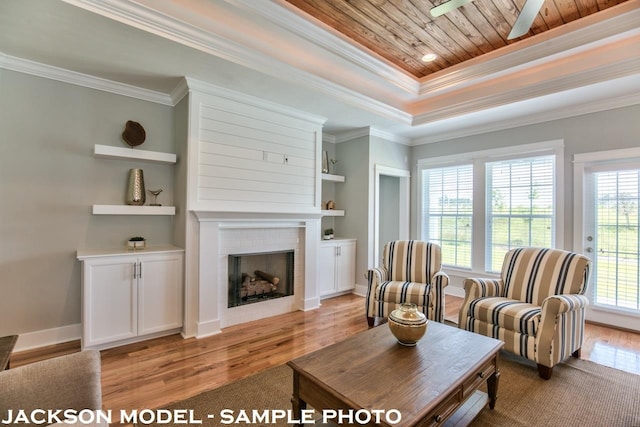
130 296
337 266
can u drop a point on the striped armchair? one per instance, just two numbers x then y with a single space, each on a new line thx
410 273
536 307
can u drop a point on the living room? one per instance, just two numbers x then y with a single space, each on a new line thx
55 117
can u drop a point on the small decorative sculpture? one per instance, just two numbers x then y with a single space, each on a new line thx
333 165
155 197
133 134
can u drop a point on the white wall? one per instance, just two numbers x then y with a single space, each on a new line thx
48 181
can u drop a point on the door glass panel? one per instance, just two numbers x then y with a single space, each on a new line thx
617 247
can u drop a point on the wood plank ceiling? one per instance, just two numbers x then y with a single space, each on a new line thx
402 31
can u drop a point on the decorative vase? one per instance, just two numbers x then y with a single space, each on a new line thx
135 189
325 162
407 324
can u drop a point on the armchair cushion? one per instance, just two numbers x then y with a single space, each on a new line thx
506 313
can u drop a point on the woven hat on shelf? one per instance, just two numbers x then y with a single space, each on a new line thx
133 134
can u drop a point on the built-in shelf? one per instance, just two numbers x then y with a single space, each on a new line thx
332 212
111 152
332 177
133 210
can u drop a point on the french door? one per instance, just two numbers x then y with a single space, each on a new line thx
611 222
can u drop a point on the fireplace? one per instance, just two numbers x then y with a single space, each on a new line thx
256 277
223 236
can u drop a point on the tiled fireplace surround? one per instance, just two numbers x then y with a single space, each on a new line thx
221 235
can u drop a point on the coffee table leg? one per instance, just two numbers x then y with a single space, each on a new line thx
298 404
492 388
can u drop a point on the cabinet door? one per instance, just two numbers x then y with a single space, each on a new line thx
346 266
159 293
326 269
109 301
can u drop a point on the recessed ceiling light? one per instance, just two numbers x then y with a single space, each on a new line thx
429 57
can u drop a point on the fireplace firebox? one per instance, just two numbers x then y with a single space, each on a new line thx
257 277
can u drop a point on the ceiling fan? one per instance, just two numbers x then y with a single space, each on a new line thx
521 26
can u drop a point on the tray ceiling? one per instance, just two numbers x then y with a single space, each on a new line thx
402 31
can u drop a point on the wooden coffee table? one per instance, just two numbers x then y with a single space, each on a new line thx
436 382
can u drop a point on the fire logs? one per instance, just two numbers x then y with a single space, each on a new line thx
252 286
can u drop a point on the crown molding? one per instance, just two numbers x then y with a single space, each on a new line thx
577 36
286 16
367 132
163 25
571 73
72 77
222 92
532 119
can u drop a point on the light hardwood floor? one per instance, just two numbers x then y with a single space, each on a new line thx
157 372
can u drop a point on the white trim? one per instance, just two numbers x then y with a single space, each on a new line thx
493 154
607 155
404 205
72 77
46 337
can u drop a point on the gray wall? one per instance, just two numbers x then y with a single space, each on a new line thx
48 181
353 163
608 130
357 159
389 211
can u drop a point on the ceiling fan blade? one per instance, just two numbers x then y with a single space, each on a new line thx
525 19
447 7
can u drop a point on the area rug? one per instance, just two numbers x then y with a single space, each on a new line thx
580 393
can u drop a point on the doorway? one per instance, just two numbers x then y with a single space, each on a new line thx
391 216
608 234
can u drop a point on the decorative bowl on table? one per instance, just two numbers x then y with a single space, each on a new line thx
407 324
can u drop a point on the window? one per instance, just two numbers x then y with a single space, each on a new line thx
479 205
520 208
448 211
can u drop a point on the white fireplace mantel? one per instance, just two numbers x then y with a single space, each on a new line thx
300 232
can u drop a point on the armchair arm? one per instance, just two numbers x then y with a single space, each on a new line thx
561 329
478 287
375 276
440 280
67 382
557 304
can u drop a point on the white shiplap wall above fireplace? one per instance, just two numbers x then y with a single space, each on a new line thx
253 169
249 155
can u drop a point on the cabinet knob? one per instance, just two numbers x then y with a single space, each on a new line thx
437 418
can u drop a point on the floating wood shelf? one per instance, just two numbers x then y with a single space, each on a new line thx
111 152
133 210
332 212
331 177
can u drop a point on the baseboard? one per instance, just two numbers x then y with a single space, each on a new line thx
455 291
361 290
208 328
31 340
